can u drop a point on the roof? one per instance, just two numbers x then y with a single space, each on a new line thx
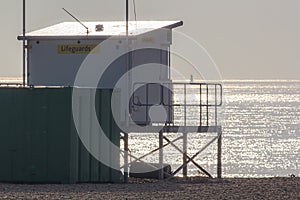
74 30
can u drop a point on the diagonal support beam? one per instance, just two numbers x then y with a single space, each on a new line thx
151 152
189 158
194 156
149 164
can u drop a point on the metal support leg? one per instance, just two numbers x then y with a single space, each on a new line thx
219 170
126 149
184 170
161 155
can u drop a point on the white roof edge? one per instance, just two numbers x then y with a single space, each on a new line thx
73 30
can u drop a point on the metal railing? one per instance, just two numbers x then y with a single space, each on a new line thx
204 97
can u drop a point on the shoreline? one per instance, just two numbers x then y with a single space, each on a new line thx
177 188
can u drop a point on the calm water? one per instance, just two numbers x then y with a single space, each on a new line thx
261 132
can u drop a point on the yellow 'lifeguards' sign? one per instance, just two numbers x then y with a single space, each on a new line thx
77 48
148 39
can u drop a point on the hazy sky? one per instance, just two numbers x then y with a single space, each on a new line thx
248 39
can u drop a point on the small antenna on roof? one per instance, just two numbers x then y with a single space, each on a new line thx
87 29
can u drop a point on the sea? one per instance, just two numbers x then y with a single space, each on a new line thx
261 133
261 128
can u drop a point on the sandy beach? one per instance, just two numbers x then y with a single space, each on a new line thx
179 188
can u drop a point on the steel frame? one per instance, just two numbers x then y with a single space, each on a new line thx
205 127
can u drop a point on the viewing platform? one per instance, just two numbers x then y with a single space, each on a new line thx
194 110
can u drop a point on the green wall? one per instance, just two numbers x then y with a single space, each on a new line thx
39 142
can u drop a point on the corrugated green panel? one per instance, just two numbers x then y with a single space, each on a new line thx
58 134
115 138
105 124
39 142
89 169
37 119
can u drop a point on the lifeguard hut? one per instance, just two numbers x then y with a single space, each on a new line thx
56 54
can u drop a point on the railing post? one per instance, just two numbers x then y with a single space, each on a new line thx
216 108
207 102
219 165
184 170
200 106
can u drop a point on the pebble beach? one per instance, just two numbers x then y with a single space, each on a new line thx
178 188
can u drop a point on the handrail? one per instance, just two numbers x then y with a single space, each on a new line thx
210 98
162 102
